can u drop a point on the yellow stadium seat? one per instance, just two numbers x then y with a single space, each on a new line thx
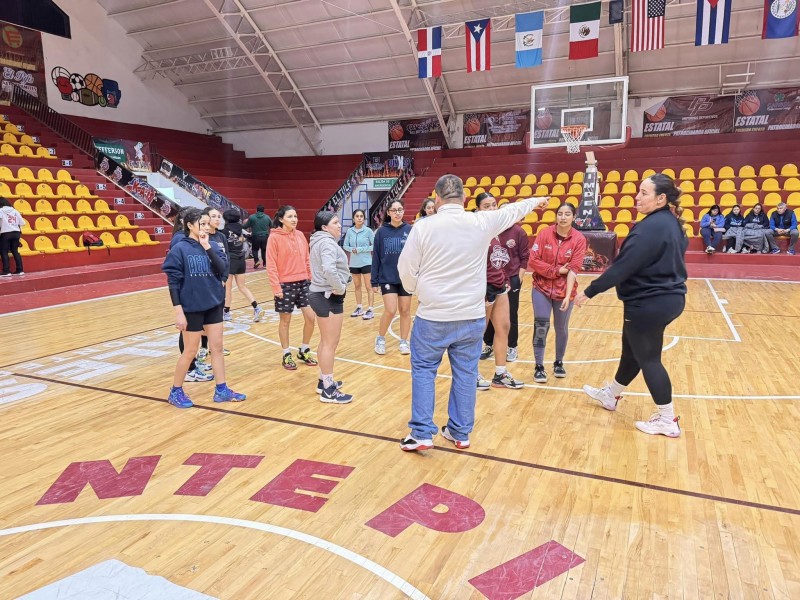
530 179
45 191
553 203
571 200
606 216
791 184
624 216
613 176
85 223
10 138
477 191
25 174
767 171
789 170
43 244
23 190
24 207
525 227
7 175
525 191
65 191
627 202
514 180
104 222
144 238
647 173
63 207
549 216
532 217
467 192
610 188
640 216
629 187
631 175
749 199
510 191
82 191
126 238
541 226
728 200
546 178
43 207
542 190
26 229
772 199
622 230
707 185
5 191
687 185
687 173
101 206
495 191
748 185
28 141
64 176
706 173
770 185
44 224
66 224
577 177
562 177
500 180
8 150
607 202
707 200
793 199
726 173
500 202
11 128
470 205
45 175
689 230
26 151
84 207
669 172
575 188
109 241
688 215
65 242
747 171
43 152
470 182
726 185
485 181
558 190
797 213
25 250
687 200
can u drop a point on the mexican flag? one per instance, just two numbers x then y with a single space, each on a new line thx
584 30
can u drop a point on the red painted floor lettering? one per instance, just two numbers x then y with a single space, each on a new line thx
213 467
281 491
526 572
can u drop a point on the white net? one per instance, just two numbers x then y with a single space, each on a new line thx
572 135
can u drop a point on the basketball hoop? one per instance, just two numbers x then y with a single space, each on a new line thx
572 135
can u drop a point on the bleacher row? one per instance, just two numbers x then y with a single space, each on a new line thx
18 144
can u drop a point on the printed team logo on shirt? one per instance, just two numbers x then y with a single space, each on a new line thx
499 257
511 243
535 247
568 253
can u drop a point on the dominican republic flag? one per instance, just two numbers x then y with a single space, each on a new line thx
713 22
529 30
429 52
780 19
584 30
479 56
647 29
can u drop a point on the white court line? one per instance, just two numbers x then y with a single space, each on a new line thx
721 303
542 387
394 580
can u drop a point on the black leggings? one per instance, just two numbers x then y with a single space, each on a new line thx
9 243
203 344
642 341
513 309
259 245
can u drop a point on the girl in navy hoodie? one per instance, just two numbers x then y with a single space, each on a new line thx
194 273
734 221
389 242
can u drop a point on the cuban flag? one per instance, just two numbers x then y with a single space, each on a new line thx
429 52
713 22
478 45
529 29
780 19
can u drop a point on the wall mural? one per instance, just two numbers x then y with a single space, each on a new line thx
89 89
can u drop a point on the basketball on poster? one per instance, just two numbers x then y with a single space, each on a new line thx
500 128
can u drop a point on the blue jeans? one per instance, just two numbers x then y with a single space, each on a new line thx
429 341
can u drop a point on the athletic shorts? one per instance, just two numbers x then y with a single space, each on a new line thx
492 292
366 270
295 294
393 288
325 307
196 320
238 266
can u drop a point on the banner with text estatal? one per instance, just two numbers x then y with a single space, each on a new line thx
689 115
772 109
502 128
416 134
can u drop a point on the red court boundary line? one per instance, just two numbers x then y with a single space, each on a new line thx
489 457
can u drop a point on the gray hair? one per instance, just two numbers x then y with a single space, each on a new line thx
450 188
780 205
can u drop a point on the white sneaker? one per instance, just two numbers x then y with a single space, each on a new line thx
404 347
660 425
460 444
603 395
227 316
483 384
380 345
512 355
257 314
357 312
731 250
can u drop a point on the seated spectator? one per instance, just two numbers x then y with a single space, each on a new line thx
783 222
712 226
734 230
756 229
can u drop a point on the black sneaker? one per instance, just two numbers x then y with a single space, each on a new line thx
539 374
332 395
506 381
306 358
320 388
558 369
487 352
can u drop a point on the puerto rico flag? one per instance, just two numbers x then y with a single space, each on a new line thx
478 49
781 19
713 22
429 52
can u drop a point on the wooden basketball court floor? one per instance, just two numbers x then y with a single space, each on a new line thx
285 497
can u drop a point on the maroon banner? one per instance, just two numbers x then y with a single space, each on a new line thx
416 134
22 60
502 128
771 109
689 115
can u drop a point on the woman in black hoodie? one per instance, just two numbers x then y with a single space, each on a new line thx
757 219
734 221
650 277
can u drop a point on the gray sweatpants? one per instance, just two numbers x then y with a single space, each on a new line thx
542 307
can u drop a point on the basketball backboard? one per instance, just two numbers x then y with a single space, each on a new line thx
599 104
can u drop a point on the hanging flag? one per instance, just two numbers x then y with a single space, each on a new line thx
584 30
429 52
781 19
616 11
647 30
478 48
713 22
529 28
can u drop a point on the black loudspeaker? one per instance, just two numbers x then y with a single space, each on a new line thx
616 10
40 15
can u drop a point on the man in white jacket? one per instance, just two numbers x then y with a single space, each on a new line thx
444 264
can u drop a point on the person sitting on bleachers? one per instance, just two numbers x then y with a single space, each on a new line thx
712 226
756 226
734 230
783 222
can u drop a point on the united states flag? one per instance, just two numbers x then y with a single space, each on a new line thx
647 29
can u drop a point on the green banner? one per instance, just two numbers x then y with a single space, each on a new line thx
111 148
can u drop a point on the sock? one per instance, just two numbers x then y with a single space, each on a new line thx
403 341
327 381
667 411
369 308
254 304
286 351
500 370
358 307
616 389
305 348
227 309
221 387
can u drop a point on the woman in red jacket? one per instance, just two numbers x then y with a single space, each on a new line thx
556 258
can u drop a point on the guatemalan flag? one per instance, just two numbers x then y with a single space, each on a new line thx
478 49
781 19
429 52
713 22
529 29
